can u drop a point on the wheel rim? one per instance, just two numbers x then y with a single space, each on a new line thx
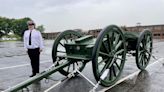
144 49
109 53
59 50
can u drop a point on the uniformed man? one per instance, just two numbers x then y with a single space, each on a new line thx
33 42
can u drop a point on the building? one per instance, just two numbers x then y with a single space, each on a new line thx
94 32
53 35
50 36
157 31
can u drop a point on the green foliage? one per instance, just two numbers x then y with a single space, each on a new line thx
41 28
19 26
16 26
5 26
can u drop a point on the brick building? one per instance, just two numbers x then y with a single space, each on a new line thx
53 35
50 35
94 32
157 31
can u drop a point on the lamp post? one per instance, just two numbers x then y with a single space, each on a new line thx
138 26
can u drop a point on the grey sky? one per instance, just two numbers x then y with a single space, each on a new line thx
59 15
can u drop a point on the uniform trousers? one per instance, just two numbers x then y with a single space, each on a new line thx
34 55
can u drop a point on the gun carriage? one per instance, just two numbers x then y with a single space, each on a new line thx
71 50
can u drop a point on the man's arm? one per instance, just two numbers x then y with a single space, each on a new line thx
41 41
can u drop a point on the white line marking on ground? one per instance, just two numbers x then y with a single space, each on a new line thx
129 76
3 68
47 90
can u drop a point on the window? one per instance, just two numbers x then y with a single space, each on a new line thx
158 28
157 34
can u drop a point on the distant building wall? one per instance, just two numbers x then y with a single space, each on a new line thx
94 32
50 36
157 31
53 35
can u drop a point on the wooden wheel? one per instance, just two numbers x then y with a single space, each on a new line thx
109 52
144 49
59 52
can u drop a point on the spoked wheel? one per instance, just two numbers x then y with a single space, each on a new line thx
109 52
59 52
144 49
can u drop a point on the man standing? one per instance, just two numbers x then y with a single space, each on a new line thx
33 42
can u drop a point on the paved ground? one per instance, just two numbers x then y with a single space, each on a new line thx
15 68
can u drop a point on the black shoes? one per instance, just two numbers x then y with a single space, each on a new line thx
32 75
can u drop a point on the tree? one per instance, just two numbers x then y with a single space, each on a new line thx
19 26
16 26
5 26
40 28
1 34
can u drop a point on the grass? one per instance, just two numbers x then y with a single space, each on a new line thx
9 40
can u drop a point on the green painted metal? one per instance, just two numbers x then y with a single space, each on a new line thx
72 50
88 39
36 78
131 35
144 49
109 53
82 47
59 52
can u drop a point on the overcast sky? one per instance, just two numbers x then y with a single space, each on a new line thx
59 15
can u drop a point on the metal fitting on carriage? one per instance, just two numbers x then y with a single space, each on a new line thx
104 75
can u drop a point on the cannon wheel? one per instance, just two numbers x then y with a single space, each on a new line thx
144 49
109 52
59 50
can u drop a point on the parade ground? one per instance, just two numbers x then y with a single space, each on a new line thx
15 68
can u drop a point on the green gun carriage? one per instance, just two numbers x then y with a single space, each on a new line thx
72 51
107 51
